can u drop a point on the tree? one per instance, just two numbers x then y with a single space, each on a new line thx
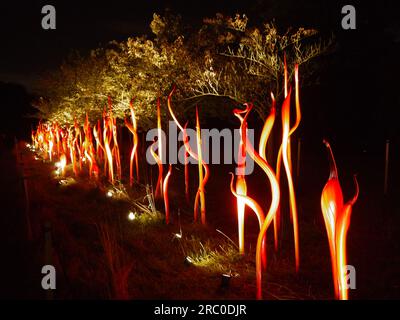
222 58
246 64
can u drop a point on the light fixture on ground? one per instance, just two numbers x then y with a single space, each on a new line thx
131 216
188 261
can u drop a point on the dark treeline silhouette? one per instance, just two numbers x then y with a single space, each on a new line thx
16 112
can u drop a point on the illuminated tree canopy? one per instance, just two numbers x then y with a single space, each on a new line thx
224 57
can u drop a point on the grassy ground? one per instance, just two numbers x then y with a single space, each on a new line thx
99 253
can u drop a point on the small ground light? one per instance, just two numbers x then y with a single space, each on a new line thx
109 194
188 261
131 216
67 182
177 236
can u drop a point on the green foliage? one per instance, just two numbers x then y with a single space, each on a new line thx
223 58
220 258
247 63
